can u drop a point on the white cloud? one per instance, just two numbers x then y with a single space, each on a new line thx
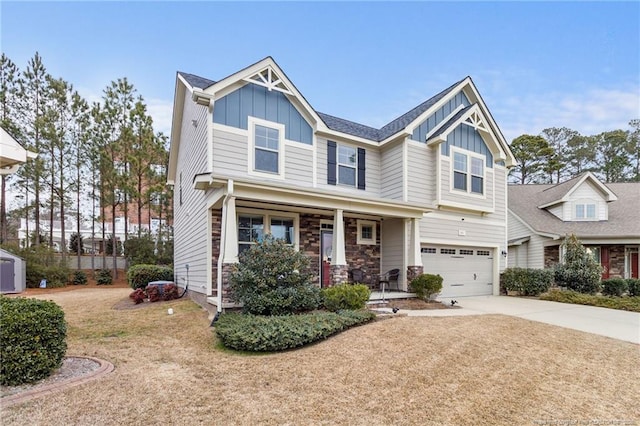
589 112
161 110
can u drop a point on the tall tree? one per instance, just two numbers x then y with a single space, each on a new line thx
34 95
581 154
612 155
555 163
79 133
634 149
9 109
530 152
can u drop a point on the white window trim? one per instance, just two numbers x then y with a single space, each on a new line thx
267 215
585 203
469 154
338 164
251 124
374 236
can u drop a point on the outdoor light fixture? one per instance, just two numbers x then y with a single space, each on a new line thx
504 253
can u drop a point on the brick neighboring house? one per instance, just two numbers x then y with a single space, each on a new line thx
250 156
604 217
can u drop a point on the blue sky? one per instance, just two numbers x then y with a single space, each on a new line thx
537 65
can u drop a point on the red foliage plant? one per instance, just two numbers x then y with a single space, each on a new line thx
137 296
154 293
170 292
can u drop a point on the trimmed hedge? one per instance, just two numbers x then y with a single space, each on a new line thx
569 296
139 276
614 286
256 333
345 296
426 285
32 339
634 286
528 282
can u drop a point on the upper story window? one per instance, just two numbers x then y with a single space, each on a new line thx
468 172
346 165
585 211
267 151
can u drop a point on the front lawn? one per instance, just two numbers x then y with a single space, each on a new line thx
472 370
625 303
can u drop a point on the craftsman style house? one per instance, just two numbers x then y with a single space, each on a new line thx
604 217
250 156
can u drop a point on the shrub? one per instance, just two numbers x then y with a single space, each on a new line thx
345 297
568 296
32 339
79 278
137 295
103 277
272 278
74 242
140 250
276 333
528 282
426 285
139 276
41 263
153 292
634 286
170 292
580 271
109 246
614 286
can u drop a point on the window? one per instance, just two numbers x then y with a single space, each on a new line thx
267 143
585 211
483 253
158 169
447 251
155 198
429 250
366 232
347 165
253 225
468 172
466 252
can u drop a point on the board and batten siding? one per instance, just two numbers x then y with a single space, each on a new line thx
391 172
372 170
393 234
191 215
421 174
420 133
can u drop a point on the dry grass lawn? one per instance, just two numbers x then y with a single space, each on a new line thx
484 370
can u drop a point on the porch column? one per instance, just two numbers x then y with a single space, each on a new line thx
230 226
414 264
339 271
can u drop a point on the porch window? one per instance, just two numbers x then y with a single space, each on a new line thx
366 232
283 229
254 224
250 231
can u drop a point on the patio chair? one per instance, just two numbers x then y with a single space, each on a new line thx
358 276
388 278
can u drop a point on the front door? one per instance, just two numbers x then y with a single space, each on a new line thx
326 250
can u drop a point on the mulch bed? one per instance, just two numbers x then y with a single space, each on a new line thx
413 304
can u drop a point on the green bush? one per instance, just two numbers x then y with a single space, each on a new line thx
140 250
255 333
580 271
568 296
139 276
634 286
426 285
103 277
345 297
272 278
614 286
528 282
79 278
32 339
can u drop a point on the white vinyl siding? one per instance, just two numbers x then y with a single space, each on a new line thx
191 216
462 199
421 170
299 164
391 171
230 153
393 247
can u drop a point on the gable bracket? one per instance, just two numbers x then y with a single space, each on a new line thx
269 79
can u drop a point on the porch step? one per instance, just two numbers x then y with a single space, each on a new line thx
376 296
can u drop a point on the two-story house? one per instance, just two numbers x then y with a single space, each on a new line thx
604 217
250 156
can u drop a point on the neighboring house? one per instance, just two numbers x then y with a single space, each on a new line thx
12 154
604 217
250 156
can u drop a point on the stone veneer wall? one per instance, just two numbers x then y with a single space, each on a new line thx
310 242
216 233
616 261
363 256
551 256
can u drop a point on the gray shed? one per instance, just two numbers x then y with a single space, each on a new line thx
13 273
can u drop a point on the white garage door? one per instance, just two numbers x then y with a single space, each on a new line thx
466 271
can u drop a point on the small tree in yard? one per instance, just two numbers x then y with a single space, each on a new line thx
74 242
272 278
426 285
580 271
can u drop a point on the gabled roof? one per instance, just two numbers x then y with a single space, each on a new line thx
196 81
561 192
524 202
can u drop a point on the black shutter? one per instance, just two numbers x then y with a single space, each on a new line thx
331 163
361 168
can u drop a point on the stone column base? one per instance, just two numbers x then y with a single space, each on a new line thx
339 274
413 271
226 271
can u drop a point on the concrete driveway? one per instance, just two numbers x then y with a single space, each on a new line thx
621 325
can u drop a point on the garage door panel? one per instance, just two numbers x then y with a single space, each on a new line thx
466 271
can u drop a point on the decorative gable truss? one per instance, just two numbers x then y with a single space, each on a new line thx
269 78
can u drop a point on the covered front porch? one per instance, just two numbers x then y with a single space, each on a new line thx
339 234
